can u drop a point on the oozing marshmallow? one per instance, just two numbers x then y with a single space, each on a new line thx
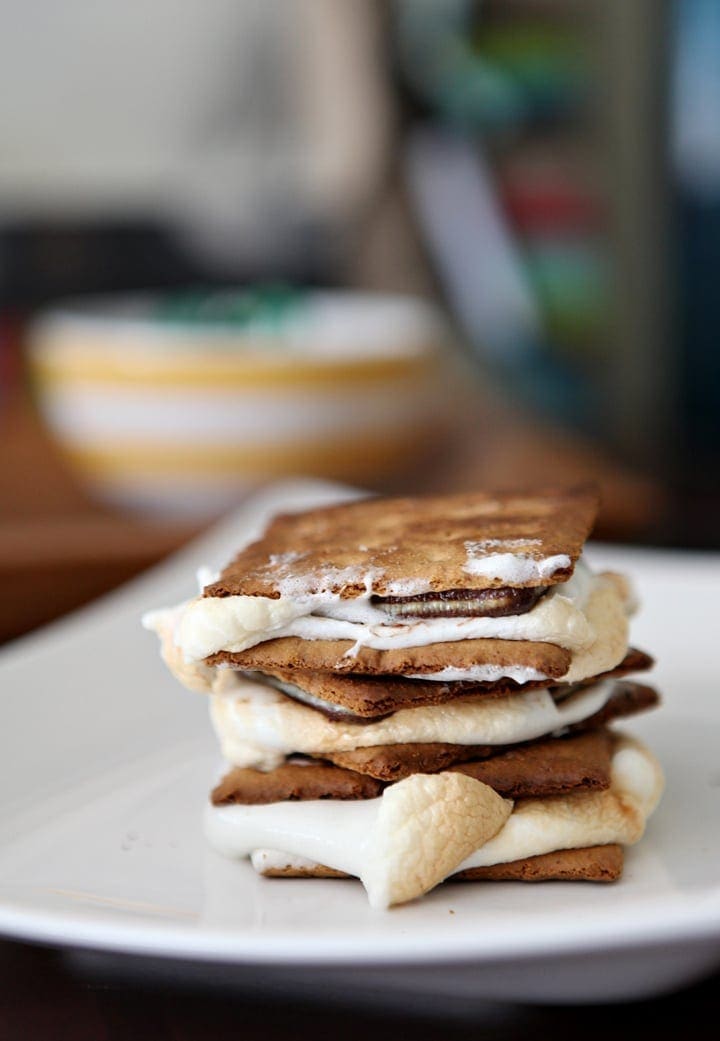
360 838
207 625
400 845
257 726
499 559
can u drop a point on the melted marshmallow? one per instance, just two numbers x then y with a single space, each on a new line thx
343 835
400 845
258 727
483 674
235 623
499 559
540 826
604 610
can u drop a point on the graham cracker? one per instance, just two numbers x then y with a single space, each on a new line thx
290 871
292 652
393 762
588 864
371 544
551 767
291 782
373 697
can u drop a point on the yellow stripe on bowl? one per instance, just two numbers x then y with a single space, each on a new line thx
361 456
208 371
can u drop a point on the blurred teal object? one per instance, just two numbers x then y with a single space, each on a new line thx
494 76
570 278
266 308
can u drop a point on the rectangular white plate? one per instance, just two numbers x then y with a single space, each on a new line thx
107 763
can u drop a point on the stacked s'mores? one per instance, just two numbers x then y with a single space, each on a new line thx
412 690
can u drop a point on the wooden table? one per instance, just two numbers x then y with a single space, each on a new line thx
58 549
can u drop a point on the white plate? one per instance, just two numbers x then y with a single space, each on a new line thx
106 765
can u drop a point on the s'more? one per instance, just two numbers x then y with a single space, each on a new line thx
412 690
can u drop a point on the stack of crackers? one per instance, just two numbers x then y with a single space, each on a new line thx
412 690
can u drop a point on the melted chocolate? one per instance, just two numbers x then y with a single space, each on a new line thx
462 603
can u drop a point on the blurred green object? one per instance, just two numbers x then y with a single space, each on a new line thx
548 64
481 73
571 283
266 309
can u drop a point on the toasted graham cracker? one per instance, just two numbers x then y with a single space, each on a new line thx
393 762
376 696
552 767
589 864
385 545
291 652
293 871
291 782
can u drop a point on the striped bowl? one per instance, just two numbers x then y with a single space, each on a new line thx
176 405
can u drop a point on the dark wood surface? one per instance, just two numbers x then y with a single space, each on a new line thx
59 549
48 995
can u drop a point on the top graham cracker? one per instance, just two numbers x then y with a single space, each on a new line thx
405 547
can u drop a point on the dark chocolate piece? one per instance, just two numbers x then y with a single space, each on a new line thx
462 603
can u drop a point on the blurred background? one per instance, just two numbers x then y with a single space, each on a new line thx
419 245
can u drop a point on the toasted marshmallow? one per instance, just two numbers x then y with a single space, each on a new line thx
258 727
408 840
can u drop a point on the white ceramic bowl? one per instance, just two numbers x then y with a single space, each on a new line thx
175 405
